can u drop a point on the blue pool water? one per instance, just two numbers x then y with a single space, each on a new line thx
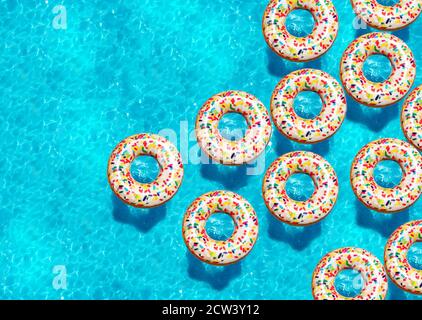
68 96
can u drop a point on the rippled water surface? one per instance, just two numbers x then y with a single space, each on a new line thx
124 67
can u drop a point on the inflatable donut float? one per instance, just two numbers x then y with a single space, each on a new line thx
378 94
395 256
371 269
214 251
411 118
145 195
322 126
240 151
394 17
300 213
300 48
382 199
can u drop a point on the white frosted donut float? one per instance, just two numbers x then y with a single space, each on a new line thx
322 126
394 17
214 251
395 255
300 48
300 213
378 94
145 195
411 118
240 151
382 199
370 268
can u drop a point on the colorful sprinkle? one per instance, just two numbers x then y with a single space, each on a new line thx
300 48
145 195
387 199
411 118
318 206
308 130
240 151
394 17
220 252
369 266
395 256
378 94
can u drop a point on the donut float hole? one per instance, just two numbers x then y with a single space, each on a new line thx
388 2
300 187
349 283
233 126
388 174
414 255
300 23
377 68
220 226
307 104
144 169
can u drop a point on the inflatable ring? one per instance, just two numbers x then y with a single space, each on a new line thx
378 94
394 17
395 256
300 48
240 151
411 118
371 269
308 130
382 199
220 252
318 206
145 195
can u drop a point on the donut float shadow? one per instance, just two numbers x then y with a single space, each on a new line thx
401 33
383 223
375 119
395 293
280 67
218 277
141 219
361 31
284 145
231 177
299 238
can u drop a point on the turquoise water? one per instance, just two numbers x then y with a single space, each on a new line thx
68 96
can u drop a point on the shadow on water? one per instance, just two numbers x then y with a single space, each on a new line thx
231 177
299 238
402 34
217 277
314 64
383 223
321 148
275 64
361 31
284 145
142 219
395 293
280 67
374 118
